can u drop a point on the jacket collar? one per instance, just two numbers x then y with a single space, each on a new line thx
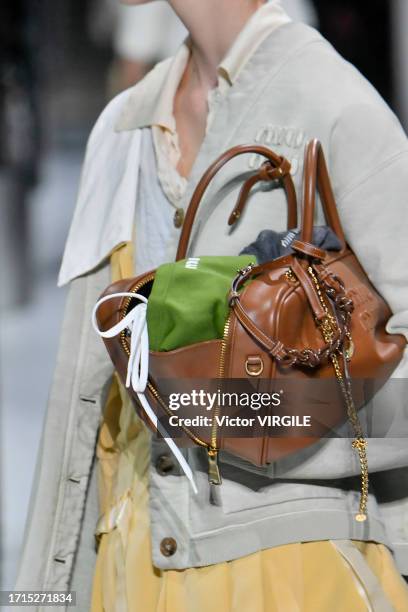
151 101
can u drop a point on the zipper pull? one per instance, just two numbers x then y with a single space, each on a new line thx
214 476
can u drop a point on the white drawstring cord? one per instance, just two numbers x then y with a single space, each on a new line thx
138 364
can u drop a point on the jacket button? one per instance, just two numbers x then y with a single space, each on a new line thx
164 465
168 547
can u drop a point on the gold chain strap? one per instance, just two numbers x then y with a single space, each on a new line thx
328 328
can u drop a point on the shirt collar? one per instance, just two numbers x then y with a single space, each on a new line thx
150 102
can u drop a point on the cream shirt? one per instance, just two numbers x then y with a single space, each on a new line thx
161 187
266 19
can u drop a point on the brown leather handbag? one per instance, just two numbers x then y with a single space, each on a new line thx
311 316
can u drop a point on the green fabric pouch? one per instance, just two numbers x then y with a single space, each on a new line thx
188 302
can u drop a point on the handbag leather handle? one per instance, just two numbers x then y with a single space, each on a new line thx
317 179
276 167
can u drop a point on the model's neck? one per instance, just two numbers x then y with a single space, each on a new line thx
213 26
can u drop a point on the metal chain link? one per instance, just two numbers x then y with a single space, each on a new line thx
328 328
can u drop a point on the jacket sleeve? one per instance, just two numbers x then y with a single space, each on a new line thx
368 165
369 169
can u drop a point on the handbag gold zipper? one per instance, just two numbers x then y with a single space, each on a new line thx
135 289
169 412
214 475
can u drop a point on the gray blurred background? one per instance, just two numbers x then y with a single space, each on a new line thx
60 62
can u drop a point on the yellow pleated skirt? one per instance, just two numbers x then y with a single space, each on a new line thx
324 576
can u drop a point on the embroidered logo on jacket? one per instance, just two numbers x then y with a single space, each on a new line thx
291 139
